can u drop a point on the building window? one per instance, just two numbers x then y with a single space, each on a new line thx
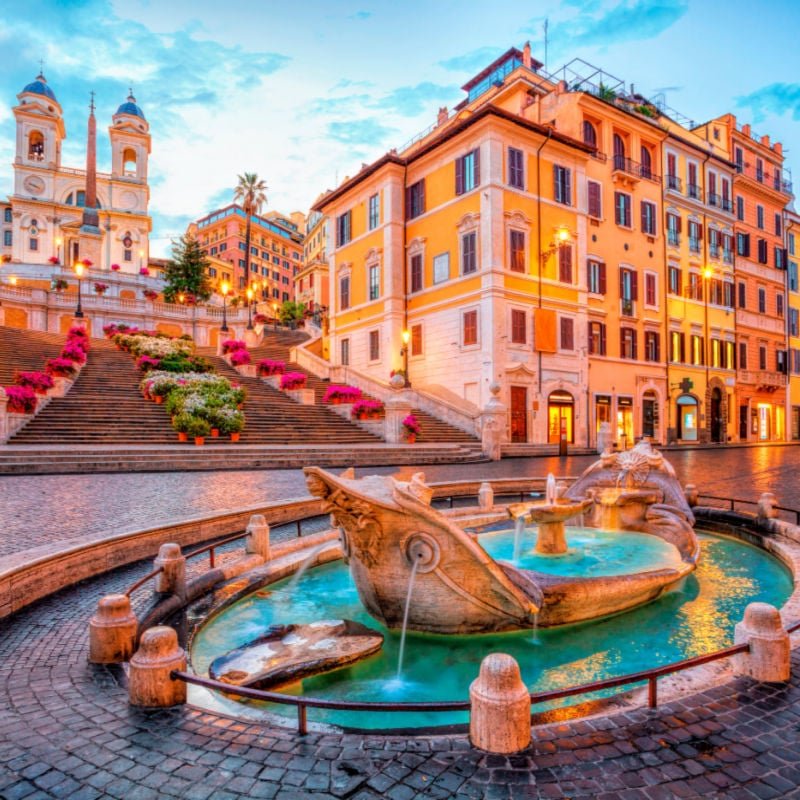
518 326
740 208
469 253
589 133
779 305
650 293
743 244
742 355
343 232
415 199
33 243
762 357
780 258
468 171
517 251
6 215
344 351
416 340
441 267
595 203
344 292
695 236
762 300
7 239
374 282
760 217
713 242
562 185
742 294
627 343
692 187
715 352
469 326
673 181
675 280
652 346
567 333
673 229
516 169
416 273
622 209
762 251
728 290
778 225
793 276
647 162
597 339
780 361
374 345
697 350
565 263
677 352
793 322
596 276
695 289
628 287
374 211
649 218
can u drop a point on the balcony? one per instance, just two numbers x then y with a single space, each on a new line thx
634 169
673 238
694 245
694 191
674 183
727 256
718 201
776 179
770 381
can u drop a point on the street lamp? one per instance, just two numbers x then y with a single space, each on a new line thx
79 272
406 336
250 294
275 314
224 288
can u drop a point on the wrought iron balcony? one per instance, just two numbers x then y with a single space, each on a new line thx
634 168
674 183
694 191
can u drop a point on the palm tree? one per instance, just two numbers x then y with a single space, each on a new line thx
252 192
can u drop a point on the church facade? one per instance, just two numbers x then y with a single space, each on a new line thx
59 215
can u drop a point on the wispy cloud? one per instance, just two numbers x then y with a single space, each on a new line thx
413 100
775 99
473 60
367 131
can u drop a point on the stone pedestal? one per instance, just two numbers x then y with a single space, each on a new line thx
500 714
766 507
493 425
112 630
149 681
257 540
486 496
252 338
172 578
397 408
691 495
60 387
769 658
551 539
246 370
305 397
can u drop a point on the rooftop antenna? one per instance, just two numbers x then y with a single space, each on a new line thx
91 102
545 43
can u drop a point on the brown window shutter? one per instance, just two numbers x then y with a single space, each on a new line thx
477 162
602 280
459 176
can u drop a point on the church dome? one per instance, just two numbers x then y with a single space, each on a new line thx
39 86
129 107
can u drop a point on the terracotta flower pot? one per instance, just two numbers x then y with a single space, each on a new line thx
215 433
159 399
235 436
199 440
182 437
411 438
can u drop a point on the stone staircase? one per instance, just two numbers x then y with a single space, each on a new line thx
432 430
26 351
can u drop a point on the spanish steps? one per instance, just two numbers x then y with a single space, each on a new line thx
104 414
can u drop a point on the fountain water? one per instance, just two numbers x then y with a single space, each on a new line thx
550 489
305 565
519 528
405 616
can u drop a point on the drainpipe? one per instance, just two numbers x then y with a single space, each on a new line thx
787 414
706 292
666 296
539 234
405 272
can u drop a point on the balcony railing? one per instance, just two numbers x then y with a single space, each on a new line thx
727 256
762 378
634 168
674 183
673 238
694 191
694 245
627 307
713 250
779 180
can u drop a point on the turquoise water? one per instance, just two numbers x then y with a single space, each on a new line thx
591 553
695 617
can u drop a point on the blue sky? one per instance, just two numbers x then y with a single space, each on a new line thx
304 93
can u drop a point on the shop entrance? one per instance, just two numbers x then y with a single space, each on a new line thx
624 422
560 411
687 418
519 414
716 416
649 414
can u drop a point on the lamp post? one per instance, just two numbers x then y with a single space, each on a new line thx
79 272
406 336
275 314
58 248
250 294
224 288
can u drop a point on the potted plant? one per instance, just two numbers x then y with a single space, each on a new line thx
144 271
87 263
150 294
54 260
60 367
21 400
267 367
366 409
115 267
232 422
411 424
101 288
341 394
40 382
232 345
293 380
58 284
239 358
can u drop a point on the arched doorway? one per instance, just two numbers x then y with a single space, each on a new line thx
688 415
716 422
560 414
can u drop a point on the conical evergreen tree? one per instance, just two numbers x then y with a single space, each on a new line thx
187 271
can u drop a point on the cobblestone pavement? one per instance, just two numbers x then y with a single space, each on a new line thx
66 731
112 503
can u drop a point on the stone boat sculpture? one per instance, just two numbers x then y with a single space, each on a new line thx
389 530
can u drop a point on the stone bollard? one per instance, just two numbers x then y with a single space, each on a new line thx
257 540
149 682
690 493
172 578
112 630
486 496
766 506
500 715
769 658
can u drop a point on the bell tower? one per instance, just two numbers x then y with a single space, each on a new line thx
130 141
40 126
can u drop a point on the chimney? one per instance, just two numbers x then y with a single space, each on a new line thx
561 88
778 148
441 117
526 55
746 130
765 140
